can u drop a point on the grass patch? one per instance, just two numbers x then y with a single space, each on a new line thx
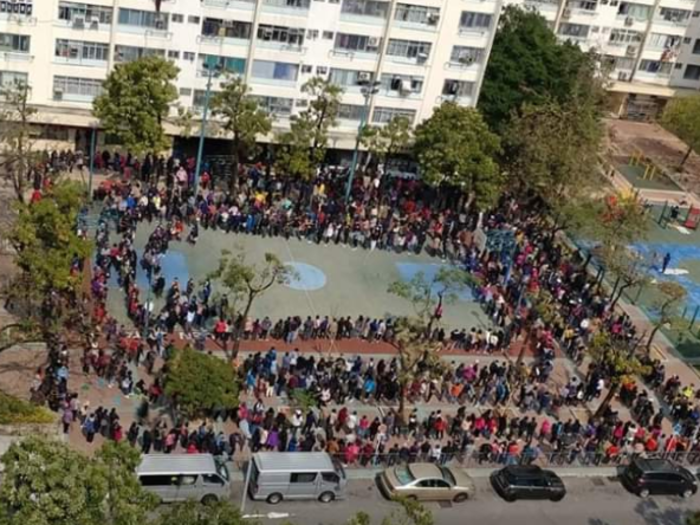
14 411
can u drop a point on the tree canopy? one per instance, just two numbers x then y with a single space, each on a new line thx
681 116
135 101
199 383
384 142
527 64
455 148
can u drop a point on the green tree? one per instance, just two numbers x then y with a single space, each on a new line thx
681 116
194 513
665 307
693 518
304 145
45 291
242 118
618 222
528 64
244 282
199 383
628 269
617 362
136 100
46 482
385 142
17 136
456 149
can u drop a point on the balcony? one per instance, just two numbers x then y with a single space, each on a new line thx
352 18
246 5
287 7
78 61
352 55
281 46
219 40
16 56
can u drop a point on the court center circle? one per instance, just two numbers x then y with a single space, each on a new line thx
305 277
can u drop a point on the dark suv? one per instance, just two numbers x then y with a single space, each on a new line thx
658 476
527 482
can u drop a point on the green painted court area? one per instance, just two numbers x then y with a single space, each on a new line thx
331 279
635 175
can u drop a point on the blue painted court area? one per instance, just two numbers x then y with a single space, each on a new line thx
680 253
305 277
173 264
408 270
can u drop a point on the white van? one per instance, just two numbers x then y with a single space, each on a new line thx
275 476
180 477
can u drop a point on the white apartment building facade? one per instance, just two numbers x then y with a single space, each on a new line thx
420 52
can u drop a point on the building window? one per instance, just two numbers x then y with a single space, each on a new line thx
457 88
193 19
307 68
625 36
221 63
226 28
417 14
574 30
14 43
13 78
284 35
274 105
69 11
185 92
200 96
620 62
148 19
408 49
348 42
636 11
351 112
19 7
662 41
312 34
265 69
696 47
401 83
77 50
129 53
84 87
174 54
188 55
177 19
674 15
383 115
470 20
321 70
656 66
52 132
366 7
466 55
349 77
328 35
298 4
692 72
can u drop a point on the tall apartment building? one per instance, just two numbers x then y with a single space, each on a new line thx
420 52
653 46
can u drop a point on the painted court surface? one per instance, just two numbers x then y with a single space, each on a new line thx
331 279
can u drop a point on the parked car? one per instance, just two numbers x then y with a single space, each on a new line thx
658 476
527 482
426 482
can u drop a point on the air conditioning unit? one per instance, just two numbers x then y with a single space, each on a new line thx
364 77
58 94
466 60
631 51
433 19
566 13
373 42
629 21
422 57
404 86
624 76
95 24
79 22
452 88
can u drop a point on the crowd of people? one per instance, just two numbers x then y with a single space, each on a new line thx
383 213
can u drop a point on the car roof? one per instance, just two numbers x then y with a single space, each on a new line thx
424 470
525 471
656 465
170 464
293 461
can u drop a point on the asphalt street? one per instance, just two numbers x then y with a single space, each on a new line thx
590 501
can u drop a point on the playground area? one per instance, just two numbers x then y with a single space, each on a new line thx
644 174
329 279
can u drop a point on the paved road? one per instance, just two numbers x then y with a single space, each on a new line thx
592 501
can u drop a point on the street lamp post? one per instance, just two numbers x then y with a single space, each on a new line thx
93 141
367 91
202 132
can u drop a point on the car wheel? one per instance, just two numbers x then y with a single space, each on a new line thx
510 498
644 493
556 498
274 498
209 499
687 493
412 497
326 497
459 498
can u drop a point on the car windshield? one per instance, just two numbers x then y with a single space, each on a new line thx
403 475
447 476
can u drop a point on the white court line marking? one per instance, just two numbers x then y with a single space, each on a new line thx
306 292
